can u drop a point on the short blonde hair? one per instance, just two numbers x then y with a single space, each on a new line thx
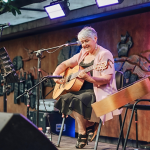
87 32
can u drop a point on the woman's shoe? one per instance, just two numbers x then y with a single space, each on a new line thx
92 131
82 141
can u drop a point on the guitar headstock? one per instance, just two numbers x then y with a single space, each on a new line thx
102 66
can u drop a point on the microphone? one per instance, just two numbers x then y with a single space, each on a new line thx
5 24
56 77
78 43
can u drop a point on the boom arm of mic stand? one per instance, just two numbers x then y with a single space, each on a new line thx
43 79
42 50
27 91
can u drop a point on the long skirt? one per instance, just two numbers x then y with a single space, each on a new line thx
77 101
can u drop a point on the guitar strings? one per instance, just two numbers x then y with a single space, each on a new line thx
132 83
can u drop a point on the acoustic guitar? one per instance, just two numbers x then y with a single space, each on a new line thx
72 83
122 97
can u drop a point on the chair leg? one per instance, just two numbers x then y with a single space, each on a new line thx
122 135
136 126
60 133
125 143
98 133
121 130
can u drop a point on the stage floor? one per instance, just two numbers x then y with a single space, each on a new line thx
68 143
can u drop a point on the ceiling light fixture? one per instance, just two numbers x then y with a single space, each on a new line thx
57 9
102 3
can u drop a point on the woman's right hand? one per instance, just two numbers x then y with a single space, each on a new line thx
59 81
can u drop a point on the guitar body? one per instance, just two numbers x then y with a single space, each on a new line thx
122 97
69 85
72 82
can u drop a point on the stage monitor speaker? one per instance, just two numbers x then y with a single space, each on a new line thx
19 133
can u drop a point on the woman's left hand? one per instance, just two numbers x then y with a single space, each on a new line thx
83 74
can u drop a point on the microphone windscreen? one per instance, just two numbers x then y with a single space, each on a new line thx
79 43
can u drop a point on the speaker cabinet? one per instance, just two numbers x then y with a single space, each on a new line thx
19 133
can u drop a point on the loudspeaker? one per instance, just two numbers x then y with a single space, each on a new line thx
19 133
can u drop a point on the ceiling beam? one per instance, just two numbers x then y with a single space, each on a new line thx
77 17
33 9
21 3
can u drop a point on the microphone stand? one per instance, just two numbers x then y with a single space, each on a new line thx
4 86
28 92
39 55
1 33
5 75
4 93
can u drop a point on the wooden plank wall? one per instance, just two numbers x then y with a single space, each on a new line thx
109 33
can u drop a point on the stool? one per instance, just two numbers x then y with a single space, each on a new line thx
134 108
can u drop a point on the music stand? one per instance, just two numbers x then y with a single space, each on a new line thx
8 73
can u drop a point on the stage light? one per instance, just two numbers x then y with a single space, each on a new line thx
57 9
102 3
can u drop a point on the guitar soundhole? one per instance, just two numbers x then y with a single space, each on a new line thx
59 86
68 79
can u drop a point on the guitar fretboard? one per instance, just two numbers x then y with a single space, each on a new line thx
86 70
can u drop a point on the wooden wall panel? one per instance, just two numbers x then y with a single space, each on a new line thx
109 33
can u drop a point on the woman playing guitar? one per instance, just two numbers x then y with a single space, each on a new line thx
97 85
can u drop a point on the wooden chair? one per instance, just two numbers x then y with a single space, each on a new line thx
119 83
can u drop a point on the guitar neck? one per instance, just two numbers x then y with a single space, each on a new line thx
86 70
